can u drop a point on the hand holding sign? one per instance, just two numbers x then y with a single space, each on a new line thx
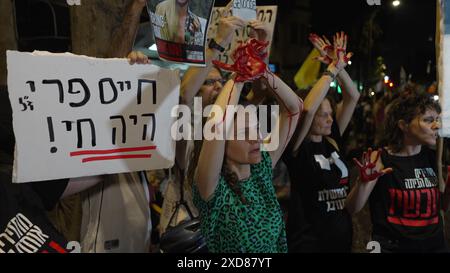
265 14
89 116
227 26
226 11
226 29
138 58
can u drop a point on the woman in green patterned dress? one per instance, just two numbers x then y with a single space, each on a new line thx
233 178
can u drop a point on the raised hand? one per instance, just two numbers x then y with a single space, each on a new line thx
324 46
227 26
248 60
259 30
370 170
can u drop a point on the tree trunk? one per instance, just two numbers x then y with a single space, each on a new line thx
92 25
8 38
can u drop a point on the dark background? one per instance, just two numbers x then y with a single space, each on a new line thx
403 36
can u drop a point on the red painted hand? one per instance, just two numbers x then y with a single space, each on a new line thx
324 46
341 57
370 170
248 60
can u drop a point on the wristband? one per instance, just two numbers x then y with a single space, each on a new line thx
214 45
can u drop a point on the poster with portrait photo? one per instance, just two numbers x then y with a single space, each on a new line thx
179 29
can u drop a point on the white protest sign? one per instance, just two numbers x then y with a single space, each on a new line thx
266 14
79 116
245 9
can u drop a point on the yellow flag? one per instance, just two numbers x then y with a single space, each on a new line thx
309 72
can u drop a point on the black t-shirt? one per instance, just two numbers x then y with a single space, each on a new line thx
405 204
24 226
317 218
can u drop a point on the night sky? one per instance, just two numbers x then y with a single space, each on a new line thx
407 39
408 31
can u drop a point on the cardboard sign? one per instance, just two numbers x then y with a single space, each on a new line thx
267 14
179 28
245 9
77 116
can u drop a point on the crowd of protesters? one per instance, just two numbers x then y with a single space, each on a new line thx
231 195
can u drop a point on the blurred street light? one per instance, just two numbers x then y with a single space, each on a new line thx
396 3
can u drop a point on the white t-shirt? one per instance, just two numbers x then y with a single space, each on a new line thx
116 216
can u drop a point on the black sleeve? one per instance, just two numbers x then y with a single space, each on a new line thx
287 157
50 191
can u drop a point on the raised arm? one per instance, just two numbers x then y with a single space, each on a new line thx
290 108
312 103
260 31
350 97
212 153
194 77
350 92
336 59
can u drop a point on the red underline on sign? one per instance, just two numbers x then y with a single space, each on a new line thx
412 222
57 247
113 157
112 151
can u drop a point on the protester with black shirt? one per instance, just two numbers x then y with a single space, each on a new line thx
317 219
24 225
405 203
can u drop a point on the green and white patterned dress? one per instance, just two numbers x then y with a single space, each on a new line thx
229 226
